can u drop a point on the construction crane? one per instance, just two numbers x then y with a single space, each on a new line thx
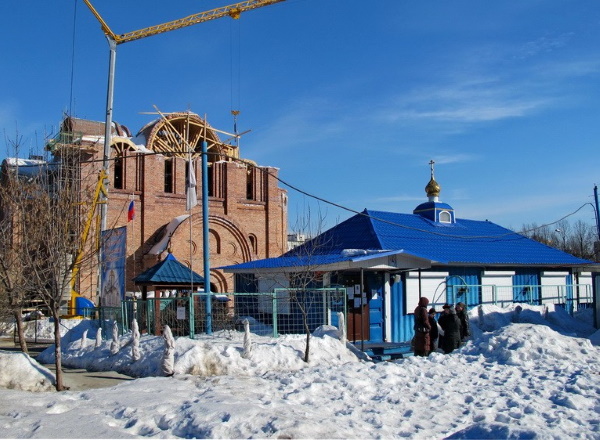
234 11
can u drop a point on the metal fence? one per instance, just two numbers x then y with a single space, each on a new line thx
285 311
106 317
571 297
288 311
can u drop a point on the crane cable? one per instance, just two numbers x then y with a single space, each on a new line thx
72 60
235 68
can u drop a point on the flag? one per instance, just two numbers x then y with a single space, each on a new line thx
131 211
192 198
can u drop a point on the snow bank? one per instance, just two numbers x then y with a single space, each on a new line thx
487 318
207 355
18 371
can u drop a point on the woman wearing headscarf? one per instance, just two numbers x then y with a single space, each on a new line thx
422 328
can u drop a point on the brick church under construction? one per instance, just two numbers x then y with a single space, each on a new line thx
247 208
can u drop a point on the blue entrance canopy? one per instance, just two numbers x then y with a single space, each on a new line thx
169 272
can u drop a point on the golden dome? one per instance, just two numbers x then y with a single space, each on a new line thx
433 188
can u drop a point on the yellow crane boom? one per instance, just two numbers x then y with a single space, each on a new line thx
232 11
86 228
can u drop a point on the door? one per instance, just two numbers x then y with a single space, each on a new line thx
374 282
358 319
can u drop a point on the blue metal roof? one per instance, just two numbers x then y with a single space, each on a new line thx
465 242
169 272
433 205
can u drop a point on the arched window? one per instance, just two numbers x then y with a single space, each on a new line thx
445 217
215 241
253 243
125 165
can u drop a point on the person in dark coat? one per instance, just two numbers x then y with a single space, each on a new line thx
451 326
463 316
422 328
434 333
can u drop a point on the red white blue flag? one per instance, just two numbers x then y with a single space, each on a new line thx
131 211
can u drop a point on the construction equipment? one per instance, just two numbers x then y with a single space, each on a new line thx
76 301
234 11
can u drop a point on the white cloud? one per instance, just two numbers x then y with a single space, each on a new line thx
454 158
544 44
467 101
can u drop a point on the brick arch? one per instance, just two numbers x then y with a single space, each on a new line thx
230 226
219 280
228 232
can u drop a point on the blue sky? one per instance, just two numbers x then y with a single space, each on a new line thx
350 99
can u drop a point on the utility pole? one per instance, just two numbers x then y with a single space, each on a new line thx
596 276
597 211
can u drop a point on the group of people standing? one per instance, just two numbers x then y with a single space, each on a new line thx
448 333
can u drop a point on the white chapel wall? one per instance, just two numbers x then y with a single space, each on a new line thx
432 286
496 285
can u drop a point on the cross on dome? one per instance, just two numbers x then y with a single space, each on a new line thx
433 188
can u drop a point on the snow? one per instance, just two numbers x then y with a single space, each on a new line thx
527 372
19 371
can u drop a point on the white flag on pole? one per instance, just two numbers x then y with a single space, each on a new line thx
192 198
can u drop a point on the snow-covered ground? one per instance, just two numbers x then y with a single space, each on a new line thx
526 373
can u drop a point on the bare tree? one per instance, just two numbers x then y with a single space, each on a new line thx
19 185
49 246
12 285
577 239
581 241
308 276
561 235
53 219
543 234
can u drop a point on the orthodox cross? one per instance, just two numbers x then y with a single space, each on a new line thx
431 163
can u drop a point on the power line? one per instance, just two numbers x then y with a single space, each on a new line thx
345 208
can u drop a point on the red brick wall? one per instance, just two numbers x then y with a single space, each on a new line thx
232 218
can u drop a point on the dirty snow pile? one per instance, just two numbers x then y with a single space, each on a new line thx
527 372
18 371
